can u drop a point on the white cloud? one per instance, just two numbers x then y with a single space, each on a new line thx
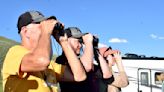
102 45
153 36
117 40
156 37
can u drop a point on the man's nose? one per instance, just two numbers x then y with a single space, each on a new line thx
80 45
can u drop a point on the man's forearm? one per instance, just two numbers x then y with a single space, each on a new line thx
120 80
107 73
44 46
75 64
87 57
39 58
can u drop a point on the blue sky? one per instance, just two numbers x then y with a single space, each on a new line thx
132 26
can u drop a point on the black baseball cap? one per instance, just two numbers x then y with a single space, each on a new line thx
74 32
31 17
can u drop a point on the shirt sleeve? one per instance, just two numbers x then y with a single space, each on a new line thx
57 68
12 62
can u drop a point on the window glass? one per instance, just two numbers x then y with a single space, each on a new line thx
158 77
144 78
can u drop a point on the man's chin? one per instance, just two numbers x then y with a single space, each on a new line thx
77 53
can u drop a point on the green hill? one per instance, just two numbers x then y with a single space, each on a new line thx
5 44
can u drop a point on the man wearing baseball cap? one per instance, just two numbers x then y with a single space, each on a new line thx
28 67
75 37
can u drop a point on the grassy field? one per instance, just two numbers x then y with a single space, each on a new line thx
1 85
5 44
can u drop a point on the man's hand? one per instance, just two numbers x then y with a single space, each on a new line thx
48 25
88 38
117 56
110 60
62 39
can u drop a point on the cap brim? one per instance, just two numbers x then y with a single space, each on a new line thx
79 35
44 18
39 20
52 17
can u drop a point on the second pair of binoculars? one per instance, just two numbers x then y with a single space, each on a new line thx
95 42
60 31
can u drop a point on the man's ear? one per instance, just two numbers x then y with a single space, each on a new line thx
24 32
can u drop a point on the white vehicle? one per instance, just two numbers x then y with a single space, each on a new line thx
143 73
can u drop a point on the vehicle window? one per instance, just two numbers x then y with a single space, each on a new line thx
144 78
158 78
